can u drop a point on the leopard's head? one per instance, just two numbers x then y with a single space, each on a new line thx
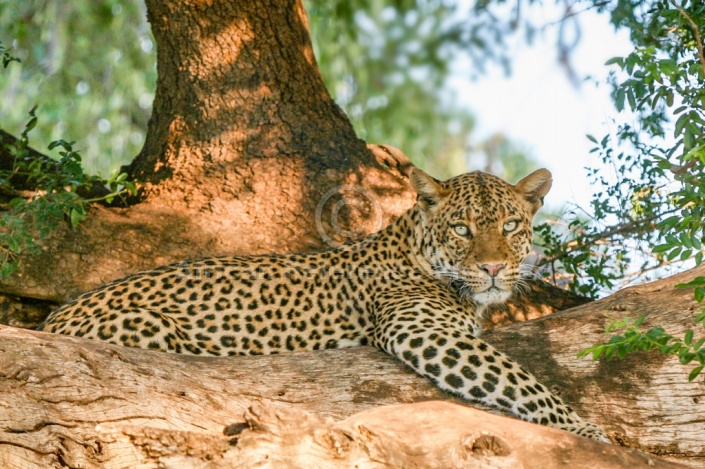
475 229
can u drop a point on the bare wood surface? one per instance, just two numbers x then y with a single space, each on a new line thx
57 393
425 435
643 401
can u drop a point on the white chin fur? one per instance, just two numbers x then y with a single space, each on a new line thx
491 295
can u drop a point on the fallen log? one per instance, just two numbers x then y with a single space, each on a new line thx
70 402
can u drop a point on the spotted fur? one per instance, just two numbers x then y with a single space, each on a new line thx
415 290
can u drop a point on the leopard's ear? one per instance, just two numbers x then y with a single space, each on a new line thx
534 187
429 190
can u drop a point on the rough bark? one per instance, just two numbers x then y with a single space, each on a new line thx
644 401
245 134
58 394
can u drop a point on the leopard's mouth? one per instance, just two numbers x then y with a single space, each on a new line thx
495 290
492 295
469 291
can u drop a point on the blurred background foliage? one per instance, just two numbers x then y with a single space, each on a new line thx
90 66
387 63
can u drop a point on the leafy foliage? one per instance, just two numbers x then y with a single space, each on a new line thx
7 57
647 215
633 340
654 196
28 219
387 62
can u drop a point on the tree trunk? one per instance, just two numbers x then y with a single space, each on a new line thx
245 134
66 400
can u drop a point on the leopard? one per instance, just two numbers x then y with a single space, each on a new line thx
417 290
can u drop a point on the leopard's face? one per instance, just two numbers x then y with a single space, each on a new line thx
476 230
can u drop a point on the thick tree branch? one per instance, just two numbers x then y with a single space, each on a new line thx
60 397
429 434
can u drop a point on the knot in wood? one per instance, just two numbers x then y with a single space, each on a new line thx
488 445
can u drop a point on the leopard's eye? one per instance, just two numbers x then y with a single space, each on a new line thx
462 230
510 226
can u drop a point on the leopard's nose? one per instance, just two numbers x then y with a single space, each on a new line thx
492 269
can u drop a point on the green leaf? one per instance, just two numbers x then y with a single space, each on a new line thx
685 239
686 254
655 333
697 281
30 125
595 350
688 138
668 66
621 353
680 123
631 99
616 325
8 268
661 248
688 338
686 358
699 294
619 100
673 254
669 222
13 244
616 339
76 217
696 371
